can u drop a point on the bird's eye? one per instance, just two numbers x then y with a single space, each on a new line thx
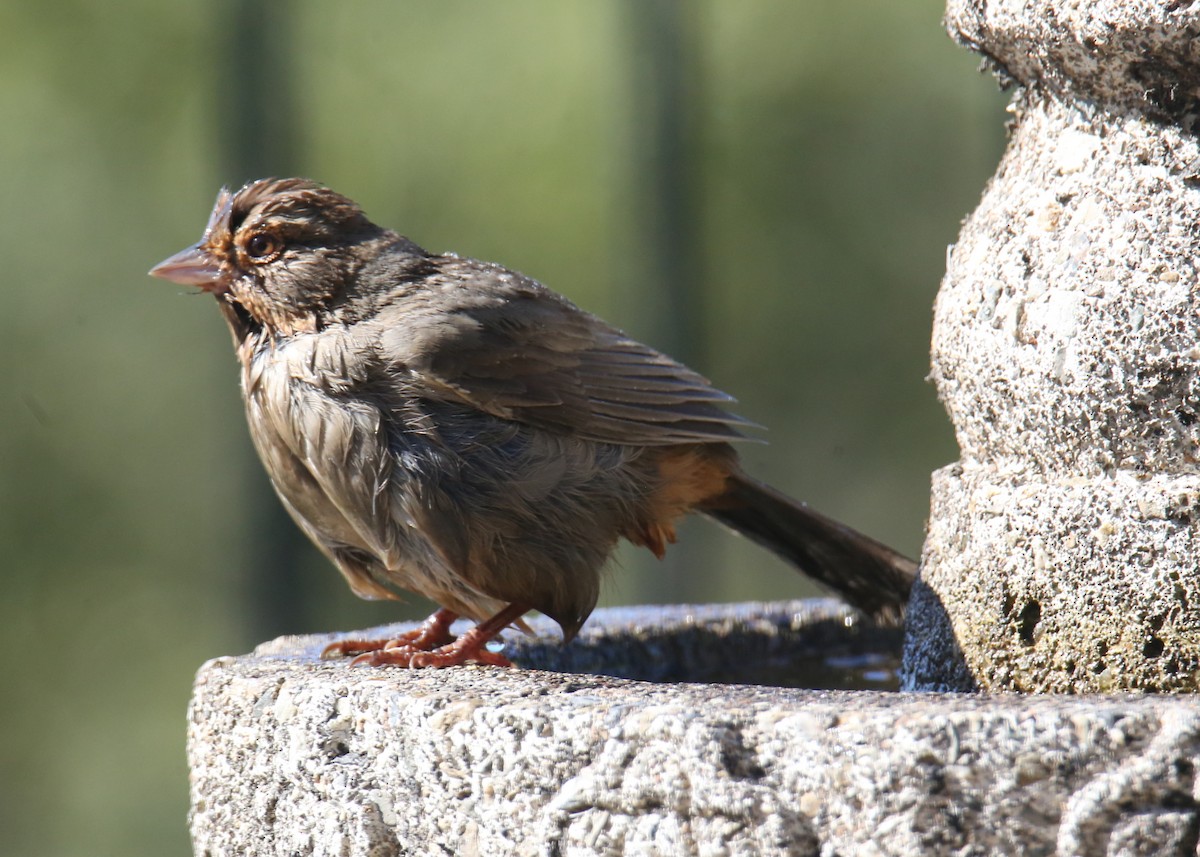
262 246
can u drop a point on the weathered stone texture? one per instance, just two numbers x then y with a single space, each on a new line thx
1062 552
292 755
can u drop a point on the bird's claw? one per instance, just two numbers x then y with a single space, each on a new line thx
451 655
431 634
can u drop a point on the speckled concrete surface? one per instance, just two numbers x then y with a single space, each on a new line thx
1062 552
293 755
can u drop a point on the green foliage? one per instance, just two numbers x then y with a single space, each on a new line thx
836 149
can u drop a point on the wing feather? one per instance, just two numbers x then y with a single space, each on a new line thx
503 343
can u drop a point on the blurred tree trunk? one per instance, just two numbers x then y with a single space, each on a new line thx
256 120
668 273
664 172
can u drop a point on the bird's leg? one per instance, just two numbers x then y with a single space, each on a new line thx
433 632
471 647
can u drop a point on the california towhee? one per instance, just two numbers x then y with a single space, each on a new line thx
454 428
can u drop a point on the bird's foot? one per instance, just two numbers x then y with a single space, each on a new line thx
416 651
431 634
461 651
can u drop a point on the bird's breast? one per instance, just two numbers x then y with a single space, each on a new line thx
324 449
335 360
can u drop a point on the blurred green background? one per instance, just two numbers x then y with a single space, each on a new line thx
765 188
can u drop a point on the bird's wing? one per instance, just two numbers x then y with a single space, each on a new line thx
505 344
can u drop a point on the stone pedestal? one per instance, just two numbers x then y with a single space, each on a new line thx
292 755
1063 551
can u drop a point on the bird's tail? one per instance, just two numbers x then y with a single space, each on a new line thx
869 575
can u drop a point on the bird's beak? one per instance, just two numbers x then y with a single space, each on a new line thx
194 266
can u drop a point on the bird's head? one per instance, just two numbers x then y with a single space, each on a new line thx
277 254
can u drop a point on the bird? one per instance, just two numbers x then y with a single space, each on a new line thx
450 427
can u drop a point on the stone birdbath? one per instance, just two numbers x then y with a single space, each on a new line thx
1061 558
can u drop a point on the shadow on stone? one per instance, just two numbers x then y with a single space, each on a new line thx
933 659
817 643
